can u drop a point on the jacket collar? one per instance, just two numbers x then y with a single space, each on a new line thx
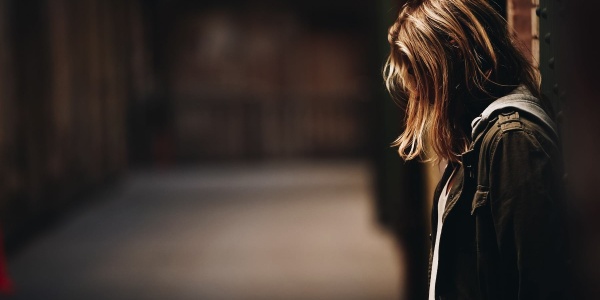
521 99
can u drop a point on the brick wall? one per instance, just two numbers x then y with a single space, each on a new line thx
520 18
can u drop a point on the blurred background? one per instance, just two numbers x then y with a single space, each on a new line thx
180 149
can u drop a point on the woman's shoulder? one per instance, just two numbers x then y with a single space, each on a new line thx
515 127
521 151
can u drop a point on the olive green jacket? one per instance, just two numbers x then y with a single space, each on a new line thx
504 227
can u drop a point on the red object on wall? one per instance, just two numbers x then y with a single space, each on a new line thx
6 285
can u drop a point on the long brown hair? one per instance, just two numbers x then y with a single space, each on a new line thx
449 59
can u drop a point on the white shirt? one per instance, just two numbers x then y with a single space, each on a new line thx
434 266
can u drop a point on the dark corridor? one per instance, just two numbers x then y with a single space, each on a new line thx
156 149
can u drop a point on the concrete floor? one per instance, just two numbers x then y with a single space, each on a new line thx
276 231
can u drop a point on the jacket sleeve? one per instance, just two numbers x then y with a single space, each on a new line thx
527 210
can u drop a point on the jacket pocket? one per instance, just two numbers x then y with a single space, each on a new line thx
480 199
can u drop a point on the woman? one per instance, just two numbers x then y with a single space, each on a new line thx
472 99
